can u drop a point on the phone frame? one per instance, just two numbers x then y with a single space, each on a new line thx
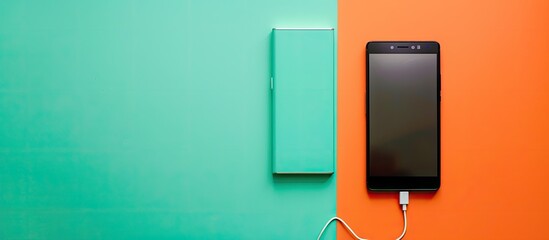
392 183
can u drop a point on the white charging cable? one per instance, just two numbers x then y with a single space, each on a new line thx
404 199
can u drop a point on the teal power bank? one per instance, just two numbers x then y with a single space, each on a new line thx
303 101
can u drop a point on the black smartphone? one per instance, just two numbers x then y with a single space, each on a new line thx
403 115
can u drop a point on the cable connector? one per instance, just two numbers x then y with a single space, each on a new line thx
404 198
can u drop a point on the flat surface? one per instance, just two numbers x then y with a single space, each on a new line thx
303 101
495 110
147 120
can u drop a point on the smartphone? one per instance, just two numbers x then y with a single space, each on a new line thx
403 115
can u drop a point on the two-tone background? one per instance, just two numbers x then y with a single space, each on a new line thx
150 120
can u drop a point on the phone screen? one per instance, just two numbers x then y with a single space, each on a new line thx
403 100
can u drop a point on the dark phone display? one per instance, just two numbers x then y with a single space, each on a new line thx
403 103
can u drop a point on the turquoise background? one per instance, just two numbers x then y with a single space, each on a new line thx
148 120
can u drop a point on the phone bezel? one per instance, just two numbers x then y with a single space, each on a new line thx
392 183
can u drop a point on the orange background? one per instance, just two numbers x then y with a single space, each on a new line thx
495 117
